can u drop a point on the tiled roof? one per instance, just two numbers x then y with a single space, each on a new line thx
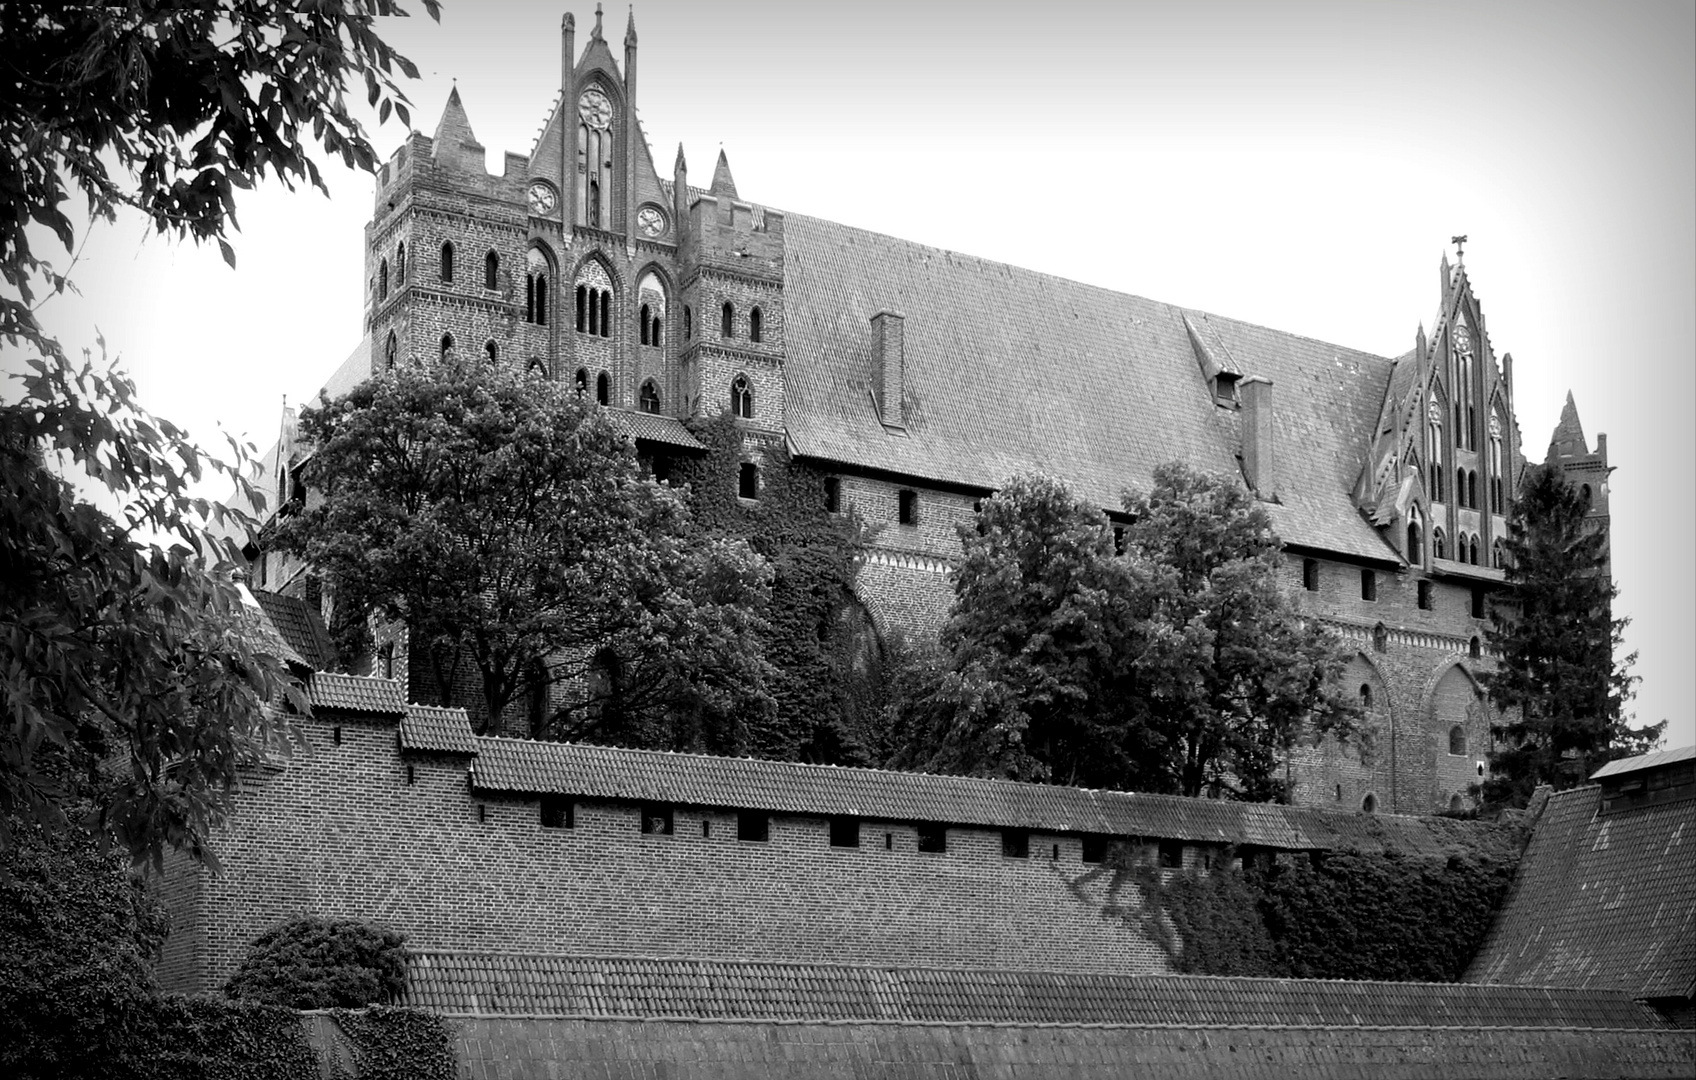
655 428
494 983
355 693
1645 761
1603 901
1009 371
612 773
299 625
264 636
433 729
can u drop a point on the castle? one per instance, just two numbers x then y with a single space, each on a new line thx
920 379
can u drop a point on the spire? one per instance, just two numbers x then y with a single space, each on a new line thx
680 165
595 34
630 29
1568 440
723 183
454 129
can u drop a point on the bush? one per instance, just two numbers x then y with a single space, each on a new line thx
317 963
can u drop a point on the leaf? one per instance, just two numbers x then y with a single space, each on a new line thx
229 252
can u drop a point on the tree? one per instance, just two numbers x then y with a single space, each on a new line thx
1229 672
1555 636
1178 666
130 674
504 521
314 962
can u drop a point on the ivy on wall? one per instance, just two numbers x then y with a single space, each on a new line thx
398 1044
829 685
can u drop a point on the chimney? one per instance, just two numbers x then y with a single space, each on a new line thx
889 367
1259 467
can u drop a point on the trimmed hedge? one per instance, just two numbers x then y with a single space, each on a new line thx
311 962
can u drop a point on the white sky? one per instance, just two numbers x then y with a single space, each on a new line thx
1297 165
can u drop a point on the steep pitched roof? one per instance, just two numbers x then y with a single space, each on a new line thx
1568 438
299 625
613 773
1008 370
723 185
1603 901
437 730
453 130
355 693
729 989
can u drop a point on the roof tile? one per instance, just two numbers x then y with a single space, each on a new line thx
355 693
433 729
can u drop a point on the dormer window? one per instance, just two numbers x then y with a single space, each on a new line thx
1225 388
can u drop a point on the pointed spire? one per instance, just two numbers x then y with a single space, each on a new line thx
680 165
630 28
723 183
1419 347
1568 440
454 128
595 34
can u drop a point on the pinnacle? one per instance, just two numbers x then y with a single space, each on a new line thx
1568 439
630 28
723 183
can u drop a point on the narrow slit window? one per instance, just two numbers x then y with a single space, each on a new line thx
1310 575
1424 596
1368 585
447 262
907 508
727 321
447 345
491 271
1477 603
650 398
756 325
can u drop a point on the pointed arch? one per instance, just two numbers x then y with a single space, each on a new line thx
383 280
492 350
582 382
447 262
538 270
756 325
727 321
603 389
1439 543
649 399
1415 535
537 366
447 345
400 263
391 350
491 270
742 397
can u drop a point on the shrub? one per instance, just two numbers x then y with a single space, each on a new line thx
311 962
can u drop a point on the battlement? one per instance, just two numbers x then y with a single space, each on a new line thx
734 236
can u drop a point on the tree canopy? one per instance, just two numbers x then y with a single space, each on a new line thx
1177 665
131 677
1557 678
506 523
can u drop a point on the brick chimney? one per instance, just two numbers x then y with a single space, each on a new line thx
889 367
1259 462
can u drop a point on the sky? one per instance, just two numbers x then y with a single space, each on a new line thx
1298 165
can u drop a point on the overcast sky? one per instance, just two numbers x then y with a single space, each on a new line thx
1302 166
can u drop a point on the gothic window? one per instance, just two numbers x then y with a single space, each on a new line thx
400 263
1475 648
1498 556
748 480
1369 804
1366 695
1434 415
651 293
582 308
1380 637
491 271
741 398
491 350
756 325
649 399
1439 544
1457 741
447 345
391 351
1460 485
595 203
603 388
582 381
1496 500
1472 550
1472 488
642 317
537 367
447 261
688 322
1415 535
383 280
594 157
727 321
536 287
606 313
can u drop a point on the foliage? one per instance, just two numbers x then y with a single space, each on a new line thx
213 1039
78 934
1556 638
399 1044
1207 922
311 962
116 648
827 682
1177 667
506 523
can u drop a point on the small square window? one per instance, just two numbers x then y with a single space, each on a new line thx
1015 844
1310 575
557 812
748 480
1094 849
844 832
1424 596
753 825
656 819
1368 585
933 838
1171 854
832 495
907 507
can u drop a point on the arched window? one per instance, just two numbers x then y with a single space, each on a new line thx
447 260
1497 501
1439 543
603 388
1415 535
741 398
1434 429
1366 695
582 308
1472 488
595 203
383 280
650 291
491 271
400 263
1369 805
447 345
1457 741
1584 492
491 350
649 400
1472 550
642 317
688 322
1460 485
582 381
727 321
1498 555
595 312
1380 637
536 287
756 325
1475 648
391 351
537 367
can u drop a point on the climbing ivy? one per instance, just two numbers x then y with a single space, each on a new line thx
398 1044
829 683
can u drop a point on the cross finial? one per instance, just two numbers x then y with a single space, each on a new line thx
1460 247
597 20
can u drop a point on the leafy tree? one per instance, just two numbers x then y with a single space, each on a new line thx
312 962
1177 667
505 522
1555 635
1229 672
128 674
